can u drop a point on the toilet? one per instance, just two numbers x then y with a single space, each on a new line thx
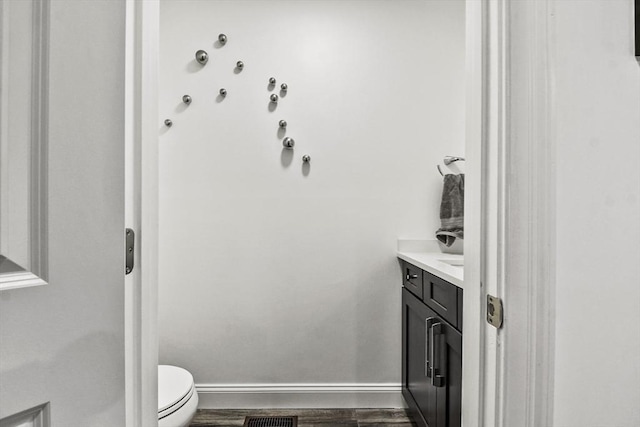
177 397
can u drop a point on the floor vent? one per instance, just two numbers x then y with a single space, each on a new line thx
271 422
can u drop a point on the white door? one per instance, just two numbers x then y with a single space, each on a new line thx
62 342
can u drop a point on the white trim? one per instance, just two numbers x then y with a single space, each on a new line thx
21 279
33 417
148 42
528 219
492 176
510 174
298 388
347 395
518 214
40 140
473 340
142 116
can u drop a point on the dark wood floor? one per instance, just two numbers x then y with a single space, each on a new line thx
307 417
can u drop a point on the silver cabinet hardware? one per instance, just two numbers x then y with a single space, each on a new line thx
240 65
494 311
282 124
202 57
431 352
130 239
437 372
306 158
223 92
274 98
284 87
272 80
168 123
427 349
222 38
288 142
186 99
411 276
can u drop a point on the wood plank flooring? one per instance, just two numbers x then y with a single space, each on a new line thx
307 417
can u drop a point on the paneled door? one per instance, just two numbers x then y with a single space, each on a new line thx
62 75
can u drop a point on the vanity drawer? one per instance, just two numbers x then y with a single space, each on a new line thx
442 297
412 278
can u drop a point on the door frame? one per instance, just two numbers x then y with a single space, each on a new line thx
510 248
142 46
474 337
527 215
510 187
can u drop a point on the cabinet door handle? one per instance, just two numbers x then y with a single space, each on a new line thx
438 371
427 347
411 276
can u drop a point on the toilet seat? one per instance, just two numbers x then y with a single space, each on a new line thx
175 389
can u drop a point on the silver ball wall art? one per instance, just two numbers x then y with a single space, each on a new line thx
288 142
202 57
277 92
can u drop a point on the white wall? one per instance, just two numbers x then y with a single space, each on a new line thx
271 273
597 94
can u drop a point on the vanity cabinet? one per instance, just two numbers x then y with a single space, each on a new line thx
431 349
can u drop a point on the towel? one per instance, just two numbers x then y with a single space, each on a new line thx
452 210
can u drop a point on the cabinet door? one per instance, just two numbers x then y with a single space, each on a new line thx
448 367
431 365
417 388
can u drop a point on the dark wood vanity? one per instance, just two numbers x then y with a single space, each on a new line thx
431 348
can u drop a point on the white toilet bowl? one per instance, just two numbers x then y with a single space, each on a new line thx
177 397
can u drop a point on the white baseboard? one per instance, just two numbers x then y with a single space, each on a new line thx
253 396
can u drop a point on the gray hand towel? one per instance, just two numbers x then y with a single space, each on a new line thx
452 210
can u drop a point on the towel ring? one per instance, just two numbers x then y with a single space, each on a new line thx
448 160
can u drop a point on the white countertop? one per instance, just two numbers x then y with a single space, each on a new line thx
426 255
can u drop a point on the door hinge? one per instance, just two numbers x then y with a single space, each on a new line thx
130 239
494 311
